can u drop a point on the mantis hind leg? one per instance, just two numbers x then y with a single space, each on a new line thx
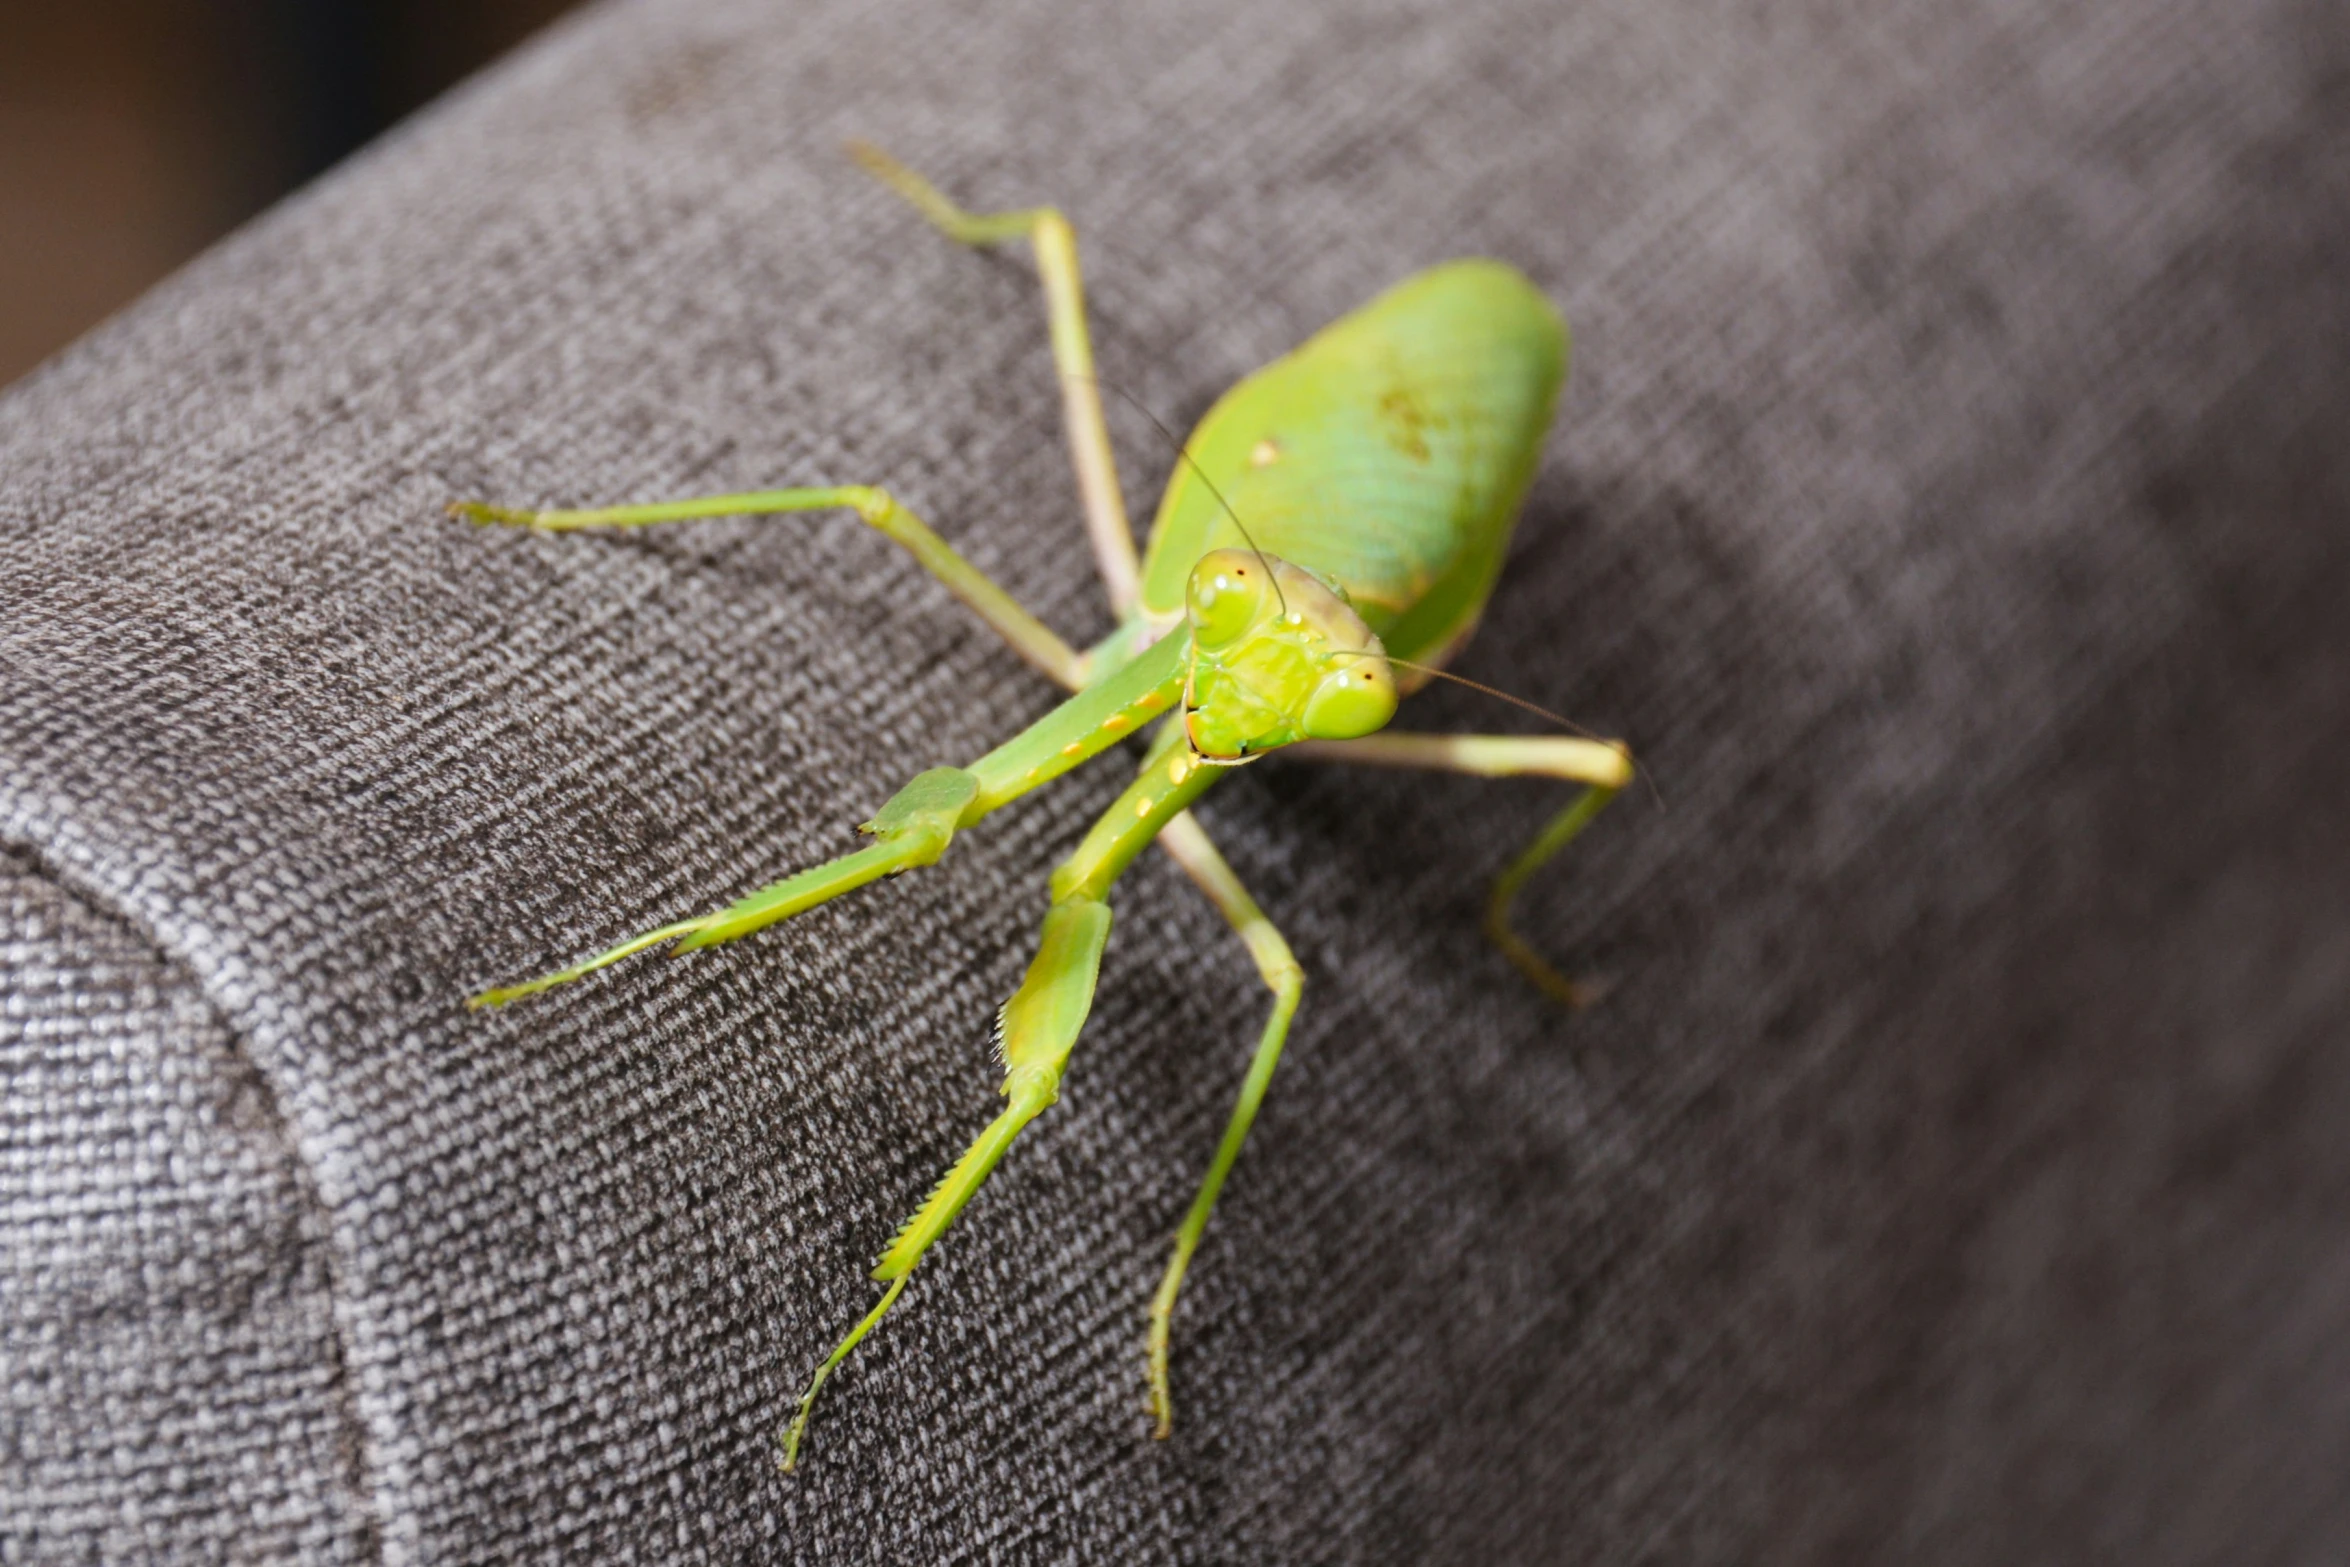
1601 766
1055 244
1191 848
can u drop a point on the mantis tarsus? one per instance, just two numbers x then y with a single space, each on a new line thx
1379 469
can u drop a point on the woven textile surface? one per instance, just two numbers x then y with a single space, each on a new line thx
1948 504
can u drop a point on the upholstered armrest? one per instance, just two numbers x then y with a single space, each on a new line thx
1948 506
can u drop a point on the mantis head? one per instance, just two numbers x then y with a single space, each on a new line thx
1277 656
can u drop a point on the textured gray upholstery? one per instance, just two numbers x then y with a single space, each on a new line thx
1949 504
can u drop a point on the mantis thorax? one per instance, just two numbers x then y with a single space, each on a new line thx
1277 656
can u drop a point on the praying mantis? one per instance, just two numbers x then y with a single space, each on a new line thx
1325 545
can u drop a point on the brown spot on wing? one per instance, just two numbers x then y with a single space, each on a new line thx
1405 423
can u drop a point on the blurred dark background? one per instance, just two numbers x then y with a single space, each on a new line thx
135 132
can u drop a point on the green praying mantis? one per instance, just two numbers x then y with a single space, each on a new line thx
1380 468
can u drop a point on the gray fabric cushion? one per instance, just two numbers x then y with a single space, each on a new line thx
1947 504
174 1384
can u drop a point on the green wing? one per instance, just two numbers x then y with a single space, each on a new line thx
1389 454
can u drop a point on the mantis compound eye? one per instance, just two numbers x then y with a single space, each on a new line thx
1354 700
1228 594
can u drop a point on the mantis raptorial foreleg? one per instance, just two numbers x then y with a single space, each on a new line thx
1039 1026
1603 766
1189 847
1030 637
1055 245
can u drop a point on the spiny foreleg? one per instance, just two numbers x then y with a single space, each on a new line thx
1036 1030
1038 1027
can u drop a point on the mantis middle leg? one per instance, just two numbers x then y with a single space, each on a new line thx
1029 637
1602 766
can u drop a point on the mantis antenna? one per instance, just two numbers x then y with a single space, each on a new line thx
1184 452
